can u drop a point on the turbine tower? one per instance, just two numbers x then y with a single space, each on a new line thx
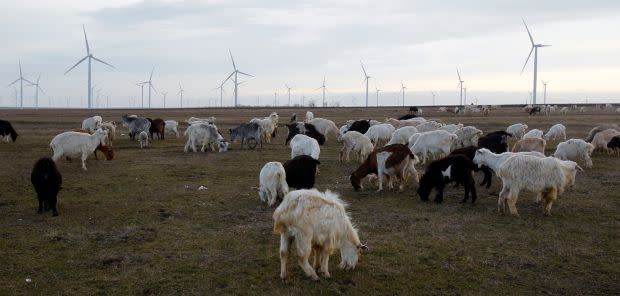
235 80
535 50
460 86
464 95
150 84
141 85
36 92
164 93
288 89
90 57
403 87
545 92
323 87
377 90
366 77
434 95
221 88
21 80
181 90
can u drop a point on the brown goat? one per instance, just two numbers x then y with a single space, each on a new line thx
530 144
396 160
158 126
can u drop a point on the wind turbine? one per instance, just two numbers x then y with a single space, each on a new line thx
323 87
21 80
545 91
36 91
403 87
289 93
434 94
460 86
378 90
150 83
141 85
235 82
221 88
164 93
275 98
366 77
535 50
181 90
90 57
464 95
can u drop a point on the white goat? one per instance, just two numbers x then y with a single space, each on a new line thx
110 127
556 132
434 142
564 110
72 144
325 127
143 139
402 135
467 136
272 183
317 223
309 116
601 139
575 149
92 123
194 120
304 145
204 133
428 126
172 126
484 156
357 143
268 125
380 133
534 133
517 130
452 128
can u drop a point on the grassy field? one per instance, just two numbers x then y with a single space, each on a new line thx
138 224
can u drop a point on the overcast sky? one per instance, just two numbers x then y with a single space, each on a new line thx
297 42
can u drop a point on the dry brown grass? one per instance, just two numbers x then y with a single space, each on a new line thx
138 224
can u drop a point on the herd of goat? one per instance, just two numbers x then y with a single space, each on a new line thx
387 152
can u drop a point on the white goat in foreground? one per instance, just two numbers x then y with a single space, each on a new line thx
304 145
317 223
71 144
575 149
272 183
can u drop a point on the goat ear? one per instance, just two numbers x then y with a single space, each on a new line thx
363 247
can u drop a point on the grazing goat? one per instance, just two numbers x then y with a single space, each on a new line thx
301 171
395 164
194 120
599 129
452 128
7 131
158 127
247 132
272 183
105 149
564 110
205 134
92 123
517 130
530 144
533 133
535 110
136 125
380 134
470 153
143 139
360 126
402 135
614 144
110 127
601 139
307 129
453 168
76 143
317 223
357 143
428 126
304 145
495 141
325 127
434 142
485 157
47 182
575 150
395 158
268 126
171 126
309 116
467 136
556 132
547 176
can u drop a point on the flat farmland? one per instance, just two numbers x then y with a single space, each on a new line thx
139 225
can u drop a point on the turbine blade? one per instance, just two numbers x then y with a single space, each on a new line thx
76 64
86 40
246 74
31 83
98 60
527 60
231 74
528 32
363 69
151 86
458 73
151 77
233 60
544 45
41 90
16 80
38 78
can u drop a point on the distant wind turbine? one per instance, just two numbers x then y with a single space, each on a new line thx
460 86
535 50
37 87
235 80
221 88
378 90
90 57
275 98
434 94
150 84
366 77
141 85
181 90
403 87
164 94
464 95
323 87
21 80
288 89
545 91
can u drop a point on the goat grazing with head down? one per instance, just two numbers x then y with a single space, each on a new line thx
47 182
452 168
390 161
7 131
317 223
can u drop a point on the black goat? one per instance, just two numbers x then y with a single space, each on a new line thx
453 168
535 110
47 182
614 143
304 129
360 126
496 141
408 116
7 129
301 171
470 152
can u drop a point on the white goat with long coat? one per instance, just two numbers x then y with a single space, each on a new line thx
533 133
548 176
402 135
467 136
530 144
92 123
204 133
517 130
452 128
575 149
317 223
484 156
272 183
434 142
304 145
355 142
268 125
380 133
71 144
601 139
325 127
172 126
556 132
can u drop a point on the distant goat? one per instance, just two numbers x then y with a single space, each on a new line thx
247 132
